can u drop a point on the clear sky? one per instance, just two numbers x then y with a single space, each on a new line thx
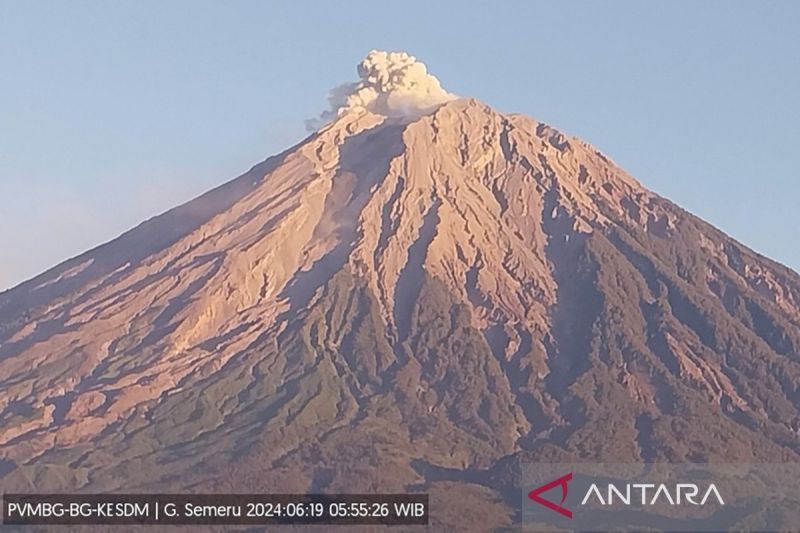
111 112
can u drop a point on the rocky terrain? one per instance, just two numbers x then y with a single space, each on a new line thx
401 304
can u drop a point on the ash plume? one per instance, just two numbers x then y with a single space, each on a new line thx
393 84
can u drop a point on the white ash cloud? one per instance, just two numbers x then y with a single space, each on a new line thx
393 84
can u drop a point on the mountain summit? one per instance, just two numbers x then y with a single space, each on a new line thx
401 302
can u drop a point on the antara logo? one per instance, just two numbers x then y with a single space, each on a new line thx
563 482
639 494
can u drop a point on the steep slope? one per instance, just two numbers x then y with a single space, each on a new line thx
397 304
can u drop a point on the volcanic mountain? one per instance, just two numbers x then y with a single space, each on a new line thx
394 304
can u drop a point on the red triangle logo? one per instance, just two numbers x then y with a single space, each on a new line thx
563 482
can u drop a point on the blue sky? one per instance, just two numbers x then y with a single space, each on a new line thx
111 112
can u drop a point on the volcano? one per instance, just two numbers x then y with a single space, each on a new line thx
401 303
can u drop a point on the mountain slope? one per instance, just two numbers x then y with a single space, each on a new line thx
397 304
